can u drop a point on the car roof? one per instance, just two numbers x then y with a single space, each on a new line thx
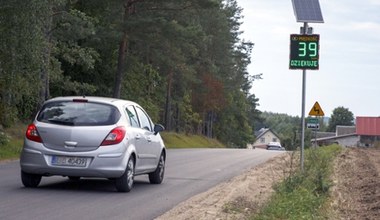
109 100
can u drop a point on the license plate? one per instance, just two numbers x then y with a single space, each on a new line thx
69 161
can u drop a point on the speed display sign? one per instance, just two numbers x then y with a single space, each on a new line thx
304 51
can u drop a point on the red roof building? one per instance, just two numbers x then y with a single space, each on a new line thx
367 134
368 126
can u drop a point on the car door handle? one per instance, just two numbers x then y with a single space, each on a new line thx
149 139
138 137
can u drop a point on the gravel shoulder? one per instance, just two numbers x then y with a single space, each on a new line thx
355 194
237 198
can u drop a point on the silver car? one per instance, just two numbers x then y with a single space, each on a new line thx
93 137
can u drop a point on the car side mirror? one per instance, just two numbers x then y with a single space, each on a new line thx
158 128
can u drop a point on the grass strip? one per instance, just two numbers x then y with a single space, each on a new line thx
303 194
176 140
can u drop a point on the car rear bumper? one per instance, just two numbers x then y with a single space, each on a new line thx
98 164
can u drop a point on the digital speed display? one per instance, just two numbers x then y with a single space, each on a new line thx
304 51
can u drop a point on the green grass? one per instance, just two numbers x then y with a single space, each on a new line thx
11 150
175 140
304 195
12 140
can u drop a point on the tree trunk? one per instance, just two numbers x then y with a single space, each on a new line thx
129 9
120 65
44 74
168 102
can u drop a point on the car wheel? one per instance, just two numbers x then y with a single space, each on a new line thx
125 182
30 180
158 175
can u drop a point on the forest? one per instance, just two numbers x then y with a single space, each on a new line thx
184 61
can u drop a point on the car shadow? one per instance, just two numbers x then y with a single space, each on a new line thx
88 185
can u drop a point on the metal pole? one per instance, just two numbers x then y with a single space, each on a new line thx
303 106
303 117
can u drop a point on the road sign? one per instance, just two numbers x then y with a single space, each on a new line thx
304 51
312 123
316 110
313 120
313 126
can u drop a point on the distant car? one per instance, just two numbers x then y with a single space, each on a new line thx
93 137
274 146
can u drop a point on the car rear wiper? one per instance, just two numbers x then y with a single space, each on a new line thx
55 121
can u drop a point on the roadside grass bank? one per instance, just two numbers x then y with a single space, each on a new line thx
11 141
303 195
179 140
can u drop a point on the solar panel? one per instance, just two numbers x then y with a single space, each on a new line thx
307 11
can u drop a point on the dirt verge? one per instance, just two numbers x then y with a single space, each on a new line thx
356 191
355 194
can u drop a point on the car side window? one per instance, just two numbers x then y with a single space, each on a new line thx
144 119
132 116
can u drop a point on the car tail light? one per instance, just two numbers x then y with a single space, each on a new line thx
115 136
32 133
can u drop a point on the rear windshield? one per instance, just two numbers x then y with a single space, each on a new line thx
78 113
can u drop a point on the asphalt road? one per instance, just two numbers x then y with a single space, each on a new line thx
188 172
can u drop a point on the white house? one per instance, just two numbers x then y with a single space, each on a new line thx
263 137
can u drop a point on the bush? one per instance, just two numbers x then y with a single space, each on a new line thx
4 139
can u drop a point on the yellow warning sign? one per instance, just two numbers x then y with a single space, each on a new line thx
316 110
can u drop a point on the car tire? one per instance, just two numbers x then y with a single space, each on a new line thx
125 182
157 176
30 180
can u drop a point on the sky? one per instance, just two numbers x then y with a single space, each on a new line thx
349 57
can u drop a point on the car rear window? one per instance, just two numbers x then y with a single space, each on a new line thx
78 113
